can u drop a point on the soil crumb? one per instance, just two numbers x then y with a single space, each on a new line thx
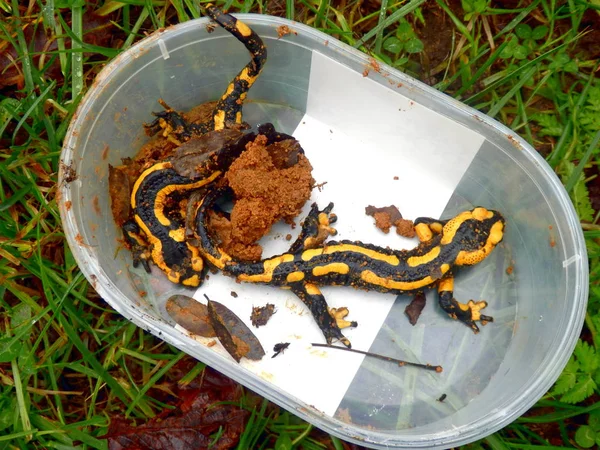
270 183
415 307
388 217
384 217
261 314
405 228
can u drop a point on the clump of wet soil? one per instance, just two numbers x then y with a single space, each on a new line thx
270 183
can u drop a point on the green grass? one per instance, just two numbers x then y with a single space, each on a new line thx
68 363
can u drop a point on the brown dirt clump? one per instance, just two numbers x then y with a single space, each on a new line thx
388 217
405 228
270 183
221 227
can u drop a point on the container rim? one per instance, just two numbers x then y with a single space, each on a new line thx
484 425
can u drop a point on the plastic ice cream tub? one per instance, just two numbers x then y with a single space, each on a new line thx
374 137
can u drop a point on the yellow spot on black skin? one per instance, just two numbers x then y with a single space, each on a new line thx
312 289
423 232
482 214
243 28
436 227
219 120
193 281
245 76
228 91
177 235
340 268
294 277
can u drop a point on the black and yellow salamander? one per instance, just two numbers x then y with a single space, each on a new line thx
463 240
161 201
228 112
156 231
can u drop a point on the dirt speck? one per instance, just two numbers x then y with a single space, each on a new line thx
96 205
284 30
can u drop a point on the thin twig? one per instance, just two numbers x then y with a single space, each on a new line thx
400 362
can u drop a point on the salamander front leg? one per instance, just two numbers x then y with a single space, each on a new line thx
173 122
138 245
311 296
316 228
426 228
468 313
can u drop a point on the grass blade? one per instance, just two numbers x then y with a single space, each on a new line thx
572 181
77 55
393 18
510 94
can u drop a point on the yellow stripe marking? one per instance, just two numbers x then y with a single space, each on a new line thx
307 255
415 261
372 278
219 263
162 195
451 227
269 267
341 268
465 258
142 177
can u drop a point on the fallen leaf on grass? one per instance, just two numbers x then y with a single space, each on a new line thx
192 425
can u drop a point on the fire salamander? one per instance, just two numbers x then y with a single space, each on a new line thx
228 112
463 240
157 235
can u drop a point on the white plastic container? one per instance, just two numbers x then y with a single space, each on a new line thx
376 136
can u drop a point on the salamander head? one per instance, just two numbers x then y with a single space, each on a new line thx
475 232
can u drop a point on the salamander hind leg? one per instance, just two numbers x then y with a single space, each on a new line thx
468 313
311 296
316 228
